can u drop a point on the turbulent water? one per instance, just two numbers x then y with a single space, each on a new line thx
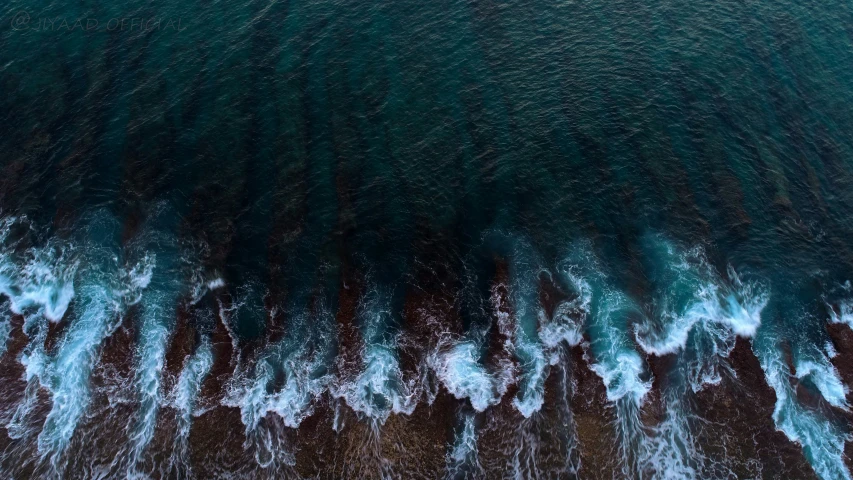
403 239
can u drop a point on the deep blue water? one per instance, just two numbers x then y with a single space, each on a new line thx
449 239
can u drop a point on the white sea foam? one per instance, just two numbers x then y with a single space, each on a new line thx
5 324
39 278
292 400
379 389
669 452
696 313
842 311
185 395
535 365
615 361
825 377
164 287
289 376
41 282
567 322
67 373
458 368
611 352
462 460
693 296
184 398
527 344
154 338
823 442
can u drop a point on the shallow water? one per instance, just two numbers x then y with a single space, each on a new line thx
454 239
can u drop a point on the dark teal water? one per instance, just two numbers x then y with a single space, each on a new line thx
461 239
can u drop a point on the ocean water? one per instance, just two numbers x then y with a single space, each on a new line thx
401 239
